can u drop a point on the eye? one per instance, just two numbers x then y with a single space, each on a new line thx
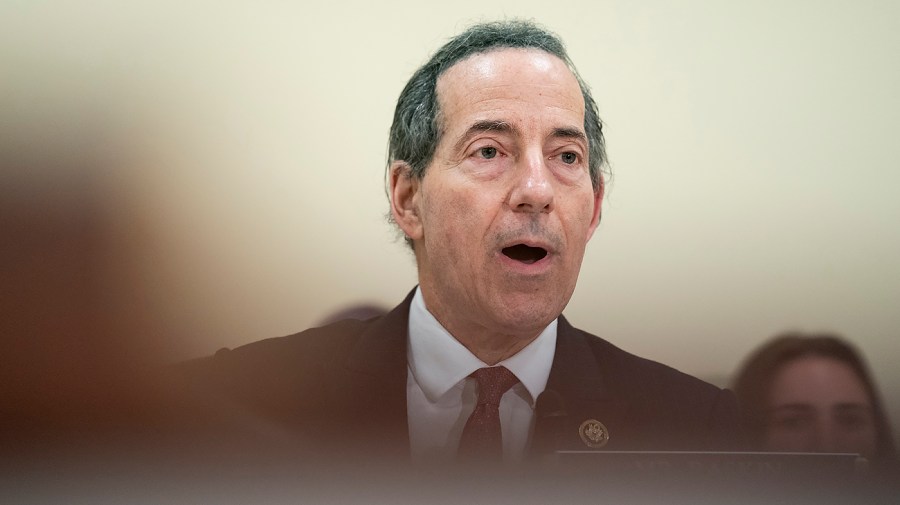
792 421
853 419
488 152
568 158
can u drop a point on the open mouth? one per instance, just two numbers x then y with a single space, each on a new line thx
524 253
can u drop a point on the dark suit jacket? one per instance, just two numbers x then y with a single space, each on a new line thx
343 387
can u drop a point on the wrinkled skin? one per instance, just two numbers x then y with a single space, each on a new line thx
511 169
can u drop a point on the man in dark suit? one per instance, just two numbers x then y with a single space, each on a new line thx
496 182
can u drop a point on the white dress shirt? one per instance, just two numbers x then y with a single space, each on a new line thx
440 394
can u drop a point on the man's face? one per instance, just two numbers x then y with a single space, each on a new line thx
502 216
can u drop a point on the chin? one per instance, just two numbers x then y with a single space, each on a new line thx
528 318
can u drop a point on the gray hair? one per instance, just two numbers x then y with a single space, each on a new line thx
417 128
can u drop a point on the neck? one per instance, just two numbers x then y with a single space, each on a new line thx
488 344
493 349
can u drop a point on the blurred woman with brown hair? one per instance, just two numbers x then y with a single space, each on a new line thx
813 393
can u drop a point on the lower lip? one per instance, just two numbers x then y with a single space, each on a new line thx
540 266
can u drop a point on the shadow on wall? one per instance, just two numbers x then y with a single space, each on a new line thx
360 312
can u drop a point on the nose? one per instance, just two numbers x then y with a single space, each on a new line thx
826 437
532 187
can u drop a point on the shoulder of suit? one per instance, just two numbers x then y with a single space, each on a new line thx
643 372
295 356
332 338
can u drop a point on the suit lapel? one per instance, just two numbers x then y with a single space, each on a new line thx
373 390
578 378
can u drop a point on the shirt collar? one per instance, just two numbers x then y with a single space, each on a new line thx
438 361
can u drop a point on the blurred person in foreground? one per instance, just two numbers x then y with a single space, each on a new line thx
813 393
496 181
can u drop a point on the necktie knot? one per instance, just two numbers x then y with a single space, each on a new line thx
482 438
493 383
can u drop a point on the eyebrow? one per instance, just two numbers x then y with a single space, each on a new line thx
504 127
792 407
485 126
796 408
569 133
852 407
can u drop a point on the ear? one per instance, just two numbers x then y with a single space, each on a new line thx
405 200
598 203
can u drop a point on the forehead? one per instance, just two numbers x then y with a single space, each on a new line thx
817 380
521 82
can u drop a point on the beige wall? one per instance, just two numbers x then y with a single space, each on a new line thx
231 158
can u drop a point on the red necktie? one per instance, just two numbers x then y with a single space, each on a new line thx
482 438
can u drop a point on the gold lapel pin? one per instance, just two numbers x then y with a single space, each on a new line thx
593 433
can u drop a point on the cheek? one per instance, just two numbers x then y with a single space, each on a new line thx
458 212
579 225
452 228
862 438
